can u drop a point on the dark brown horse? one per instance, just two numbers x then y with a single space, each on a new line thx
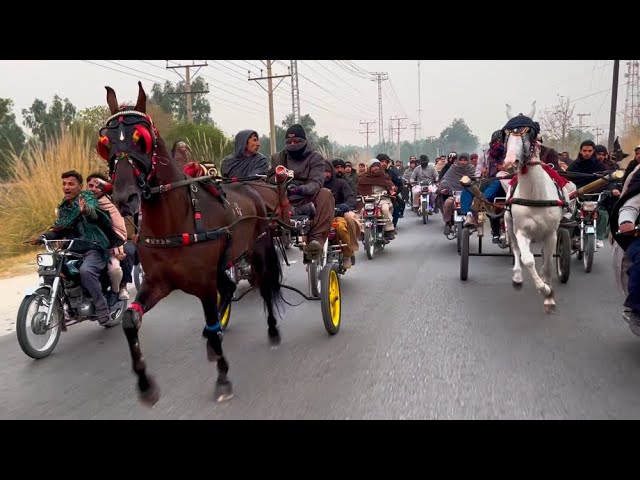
190 234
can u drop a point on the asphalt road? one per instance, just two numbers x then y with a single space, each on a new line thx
415 342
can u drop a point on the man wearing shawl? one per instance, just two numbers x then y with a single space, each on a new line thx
451 183
376 181
246 161
80 218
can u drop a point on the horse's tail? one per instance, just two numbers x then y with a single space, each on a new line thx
268 270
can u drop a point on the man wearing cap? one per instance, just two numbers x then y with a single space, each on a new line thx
306 193
350 175
340 166
347 225
626 248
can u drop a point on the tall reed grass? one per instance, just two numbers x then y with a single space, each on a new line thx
28 201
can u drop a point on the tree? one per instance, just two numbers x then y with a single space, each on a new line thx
555 124
208 144
265 141
457 137
92 118
49 123
571 143
173 100
11 136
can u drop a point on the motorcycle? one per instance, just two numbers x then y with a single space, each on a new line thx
373 222
60 300
428 190
584 243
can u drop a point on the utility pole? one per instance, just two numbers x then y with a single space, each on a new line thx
614 104
415 127
270 89
580 126
367 132
398 128
380 77
295 92
419 102
187 84
598 130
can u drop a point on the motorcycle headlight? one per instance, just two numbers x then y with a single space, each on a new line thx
45 260
368 206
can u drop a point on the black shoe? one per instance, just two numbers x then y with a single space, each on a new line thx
104 317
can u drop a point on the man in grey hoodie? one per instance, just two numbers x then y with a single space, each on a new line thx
247 161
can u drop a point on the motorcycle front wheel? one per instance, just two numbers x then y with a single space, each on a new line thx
35 339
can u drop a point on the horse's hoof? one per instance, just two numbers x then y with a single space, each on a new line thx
151 395
549 308
274 338
517 285
223 391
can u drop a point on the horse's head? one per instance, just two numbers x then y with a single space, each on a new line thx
129 144
617 155
519 137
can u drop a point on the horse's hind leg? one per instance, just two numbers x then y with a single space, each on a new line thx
223 390
148 296
548 250
268 273
515 248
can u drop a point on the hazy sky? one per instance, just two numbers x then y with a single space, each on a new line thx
338 99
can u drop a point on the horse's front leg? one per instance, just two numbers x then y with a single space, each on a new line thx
149 295
529 262
223 390
515 248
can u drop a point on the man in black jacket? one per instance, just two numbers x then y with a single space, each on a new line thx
387 166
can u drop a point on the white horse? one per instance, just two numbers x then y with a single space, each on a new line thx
532 218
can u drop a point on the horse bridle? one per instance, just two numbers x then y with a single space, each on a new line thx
144 136
521 132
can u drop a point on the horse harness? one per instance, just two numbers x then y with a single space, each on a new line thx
520 126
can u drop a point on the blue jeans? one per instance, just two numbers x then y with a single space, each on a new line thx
633 299
92 265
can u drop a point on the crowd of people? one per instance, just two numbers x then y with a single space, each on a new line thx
327 191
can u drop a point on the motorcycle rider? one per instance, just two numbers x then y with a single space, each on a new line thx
387 165
348 228
424 173
376 181
306 193
98 184
450 183
626 248
586 162
80 218
451 159
350 175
